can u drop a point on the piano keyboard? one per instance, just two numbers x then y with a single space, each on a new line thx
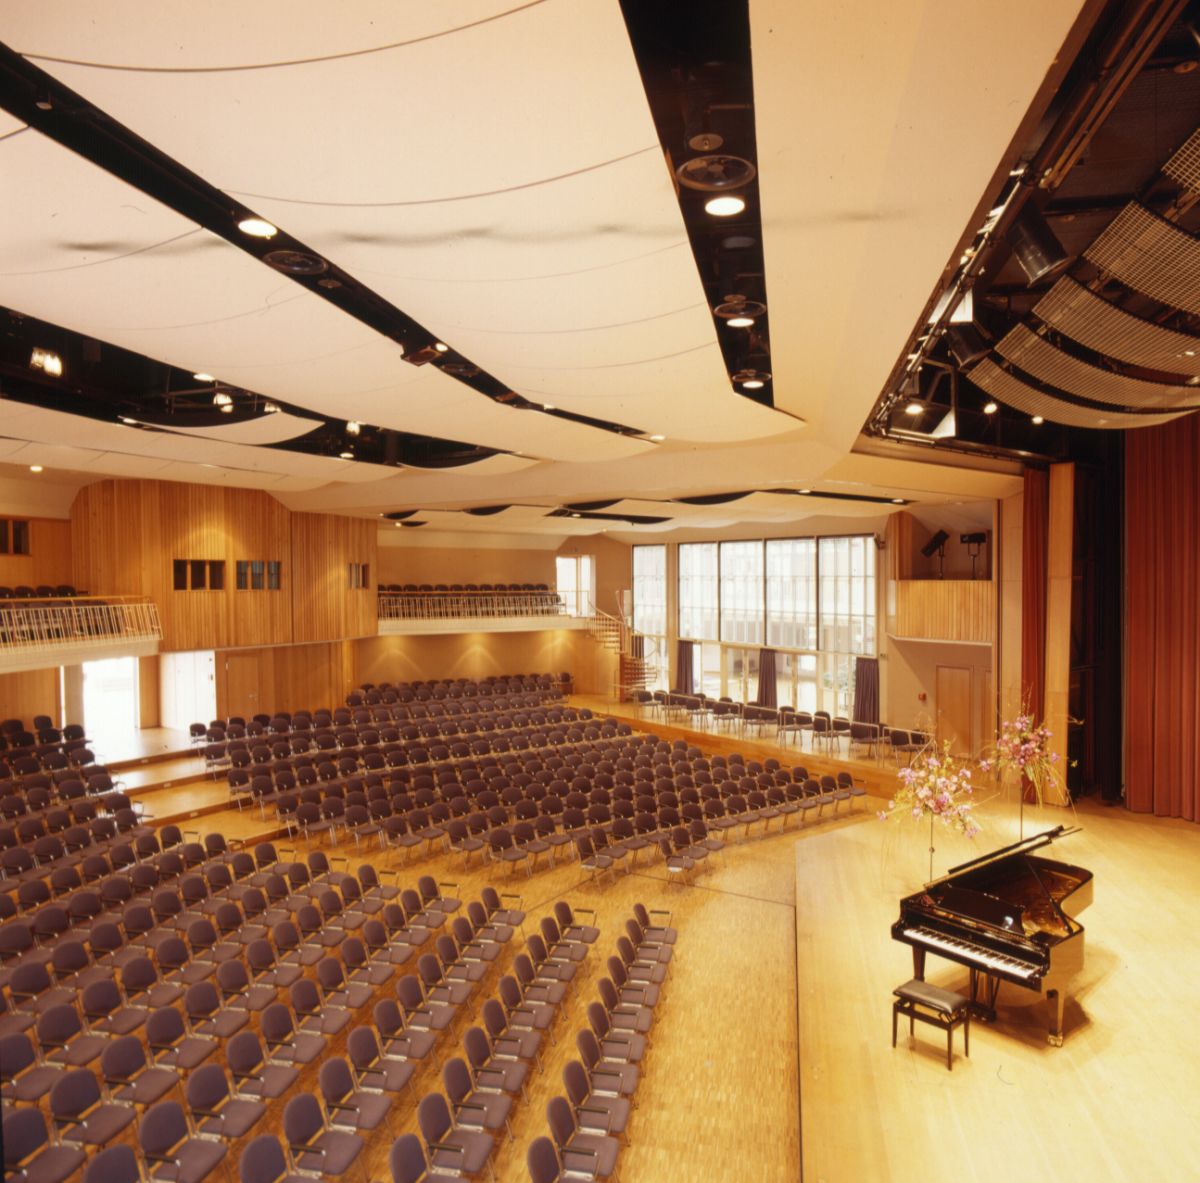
987 959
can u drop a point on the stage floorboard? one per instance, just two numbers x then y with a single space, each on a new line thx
1119 1100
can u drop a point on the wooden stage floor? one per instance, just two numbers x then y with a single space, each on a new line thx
1119 1100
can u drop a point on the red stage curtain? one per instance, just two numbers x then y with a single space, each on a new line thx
1162 559
1033 590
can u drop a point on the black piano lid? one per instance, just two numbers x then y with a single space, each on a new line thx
1025 846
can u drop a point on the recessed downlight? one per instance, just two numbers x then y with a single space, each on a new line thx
753 384
346 455
1038 420
914 408
270 408
257 228
990 408
353 427
658 439
806 492
897 500
35 468
728 205
223 400
740 322
440 347
203 377
549 407
47 361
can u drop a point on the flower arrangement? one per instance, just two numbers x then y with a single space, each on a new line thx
937 786
1023 746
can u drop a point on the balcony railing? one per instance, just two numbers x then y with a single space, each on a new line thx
27 626
452 605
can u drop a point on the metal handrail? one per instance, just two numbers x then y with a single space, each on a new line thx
456 605
31 624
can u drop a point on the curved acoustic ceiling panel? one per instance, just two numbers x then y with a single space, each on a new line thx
1184 167
501 185
1049 364
1152 256
1011 390
1080 314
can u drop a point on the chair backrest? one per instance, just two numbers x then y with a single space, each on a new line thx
433 1116
24 1133
207 1087
262 1161
302 1119
335 1079
117 1164
542 1161
162 1126
73 1093
407 1160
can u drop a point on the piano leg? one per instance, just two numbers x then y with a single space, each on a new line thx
1054 1007
984 1007
918 962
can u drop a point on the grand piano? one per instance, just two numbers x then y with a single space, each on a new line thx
1008 916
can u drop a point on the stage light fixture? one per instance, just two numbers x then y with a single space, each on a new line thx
203 377
35 468
990 408
966 343
1037 420
914 408
1035 246
353 427
47 361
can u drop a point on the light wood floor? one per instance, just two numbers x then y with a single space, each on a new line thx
1120 1100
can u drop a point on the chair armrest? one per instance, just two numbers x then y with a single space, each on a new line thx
662 912
604 1115
454 886
459 1150
587 912
511 895
494 1074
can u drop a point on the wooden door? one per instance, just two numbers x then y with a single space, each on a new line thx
242 681
954 708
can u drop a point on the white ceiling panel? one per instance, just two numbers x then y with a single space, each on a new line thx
177 34
9 124
582 214
266 429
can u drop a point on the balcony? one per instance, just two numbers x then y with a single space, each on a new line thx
36 634
430 612
958 610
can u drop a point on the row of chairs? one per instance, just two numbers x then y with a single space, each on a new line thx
434 689
589 1124
43 590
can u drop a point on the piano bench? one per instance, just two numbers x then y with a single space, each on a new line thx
940 1008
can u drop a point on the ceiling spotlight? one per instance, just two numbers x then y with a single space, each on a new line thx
353 427
806 492
203 377
1038 420
750 379
35 468
223 400
658 439
753 384
549 407
738 312
897 500
257 228
270 408
126 419
346 455
726 206
990 408
47 361
441 348
914 408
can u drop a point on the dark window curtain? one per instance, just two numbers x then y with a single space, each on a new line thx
767 683
866 690
1162 564
685 683
1033 591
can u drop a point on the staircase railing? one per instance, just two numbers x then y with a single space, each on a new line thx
636 660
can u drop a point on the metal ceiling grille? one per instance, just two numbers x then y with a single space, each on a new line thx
1011 390
1078 313
1184 167
1150 255
1049 364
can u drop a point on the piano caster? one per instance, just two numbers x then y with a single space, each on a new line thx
1054 1040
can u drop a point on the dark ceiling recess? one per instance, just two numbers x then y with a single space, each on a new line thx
1083 308
114 385
695 64
40 100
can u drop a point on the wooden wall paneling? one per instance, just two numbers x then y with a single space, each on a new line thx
465 655
193 526
465 564
49 558
1059 555
946 609
324 606
29 693
257 527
